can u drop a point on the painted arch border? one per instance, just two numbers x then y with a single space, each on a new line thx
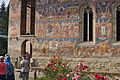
81 13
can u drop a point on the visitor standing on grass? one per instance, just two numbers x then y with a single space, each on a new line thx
25 68
10 68
2 69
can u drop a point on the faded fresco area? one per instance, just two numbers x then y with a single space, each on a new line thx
72 49
14 21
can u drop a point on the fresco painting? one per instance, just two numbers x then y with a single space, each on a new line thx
103 9
14 27
103 15
101 50
104 30
14 23
71 49
64 25
48 48
65 29
42 2
61 24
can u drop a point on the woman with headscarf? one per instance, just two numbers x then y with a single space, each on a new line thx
10 68
2 69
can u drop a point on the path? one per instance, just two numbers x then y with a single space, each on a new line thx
17 72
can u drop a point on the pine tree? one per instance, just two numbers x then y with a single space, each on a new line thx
2 9
3 18
3 27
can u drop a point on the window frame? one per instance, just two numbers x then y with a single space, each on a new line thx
32 20
88 43
114 23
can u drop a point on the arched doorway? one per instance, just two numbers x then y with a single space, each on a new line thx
26 49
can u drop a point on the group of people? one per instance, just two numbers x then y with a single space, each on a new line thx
7 68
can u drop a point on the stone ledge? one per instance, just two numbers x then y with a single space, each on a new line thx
113 59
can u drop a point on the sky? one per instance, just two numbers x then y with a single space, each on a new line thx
6 2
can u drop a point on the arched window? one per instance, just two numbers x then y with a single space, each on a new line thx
26 49
88 25
28 17
118 23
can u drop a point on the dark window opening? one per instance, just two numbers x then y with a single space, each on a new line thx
118 26
23 17
88 25
32 29
85 26
91 26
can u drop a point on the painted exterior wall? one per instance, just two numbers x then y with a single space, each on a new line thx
58 29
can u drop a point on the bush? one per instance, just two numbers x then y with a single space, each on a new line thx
57 69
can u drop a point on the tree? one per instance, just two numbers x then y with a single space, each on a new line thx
2 9
4 19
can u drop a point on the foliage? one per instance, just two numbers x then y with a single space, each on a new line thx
4 14
57 69
4 18
3 46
